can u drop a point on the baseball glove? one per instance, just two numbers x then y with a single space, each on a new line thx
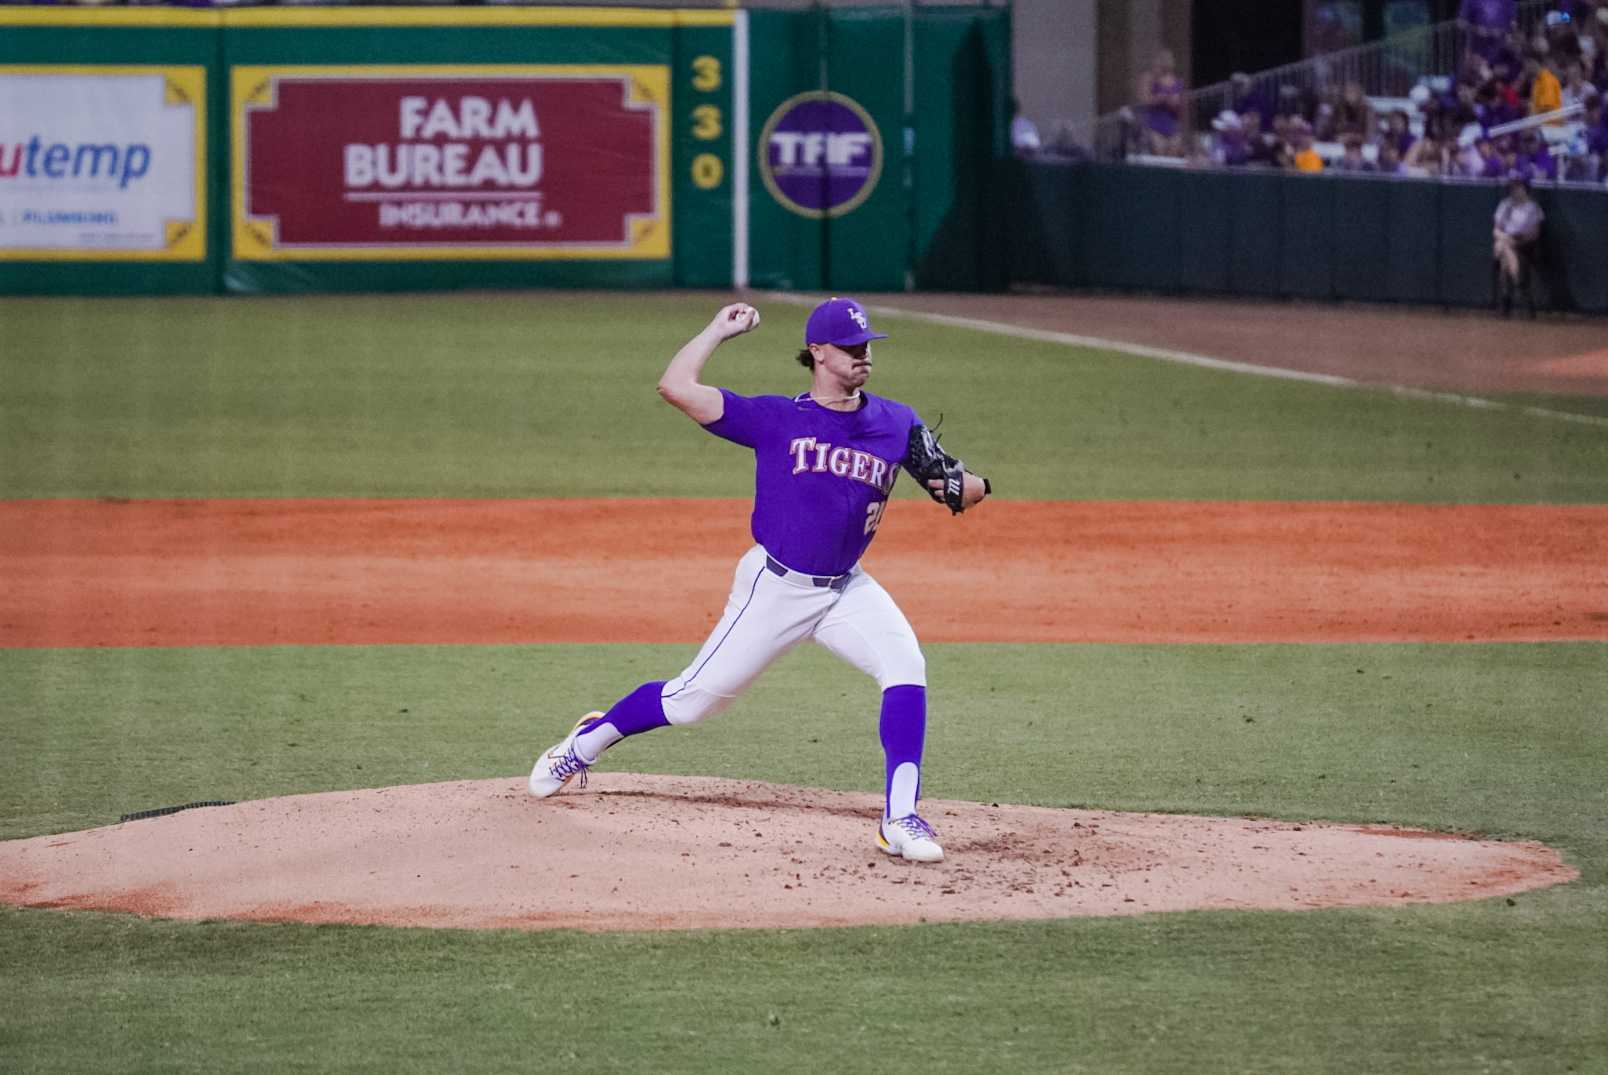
925 460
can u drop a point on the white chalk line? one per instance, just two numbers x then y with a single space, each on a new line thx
1188 358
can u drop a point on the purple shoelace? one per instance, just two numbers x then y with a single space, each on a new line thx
915 826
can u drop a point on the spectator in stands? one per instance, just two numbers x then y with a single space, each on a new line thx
1585 160
1161 97
1546 92
1496 101
1595 138
1389 160
1598 35
1303 156
1291 103
1244 97
1487 23
1263 147
1462 108
1535 161
1324 116
1397 132
1230 149
1515 229
1576 90
1351 158
1354 115
1481 160
1428 155
1563 42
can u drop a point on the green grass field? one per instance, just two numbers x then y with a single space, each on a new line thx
551 395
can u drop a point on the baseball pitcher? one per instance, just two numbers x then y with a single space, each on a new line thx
825 462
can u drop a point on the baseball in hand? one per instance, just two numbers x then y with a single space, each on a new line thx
736 319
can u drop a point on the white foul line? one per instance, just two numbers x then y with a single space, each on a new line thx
1188 358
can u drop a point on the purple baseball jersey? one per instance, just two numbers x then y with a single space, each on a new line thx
821 477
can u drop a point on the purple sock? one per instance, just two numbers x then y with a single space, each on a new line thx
638 712
903 728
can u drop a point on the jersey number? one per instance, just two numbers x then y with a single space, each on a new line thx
873 515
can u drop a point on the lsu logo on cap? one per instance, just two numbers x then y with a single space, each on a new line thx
820 154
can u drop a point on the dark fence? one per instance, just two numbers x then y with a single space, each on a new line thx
1287 236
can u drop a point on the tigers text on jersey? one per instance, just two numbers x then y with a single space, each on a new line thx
821 477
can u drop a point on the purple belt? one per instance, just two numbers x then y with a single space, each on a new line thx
832 582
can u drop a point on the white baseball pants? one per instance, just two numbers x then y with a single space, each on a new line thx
768 614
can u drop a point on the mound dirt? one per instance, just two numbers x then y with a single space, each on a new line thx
656 852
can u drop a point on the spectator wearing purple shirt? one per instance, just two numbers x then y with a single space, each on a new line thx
1397 132
1486 161
1535 162
1160 93
1487 23
1596 132
1245 98
1230 149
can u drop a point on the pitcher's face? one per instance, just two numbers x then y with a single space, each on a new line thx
849 366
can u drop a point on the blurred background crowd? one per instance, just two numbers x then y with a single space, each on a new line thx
1506 90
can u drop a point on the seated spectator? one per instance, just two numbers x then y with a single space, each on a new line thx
1303 157
1427 157
1497 100
1245 98
1482 161
1291 103
1352 160
1596 138
1535 161
1389 160
1324 125
1353 114
1515 229
1462 108
1576 90
1161 94
1229 148
1397 132
1263 147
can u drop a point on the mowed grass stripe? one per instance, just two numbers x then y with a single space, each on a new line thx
551 394
1494 738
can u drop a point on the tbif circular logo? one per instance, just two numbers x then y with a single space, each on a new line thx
820 154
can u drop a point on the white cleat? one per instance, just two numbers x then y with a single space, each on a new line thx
560 764
910 838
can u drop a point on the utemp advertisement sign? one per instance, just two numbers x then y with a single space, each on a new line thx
102 163
449 163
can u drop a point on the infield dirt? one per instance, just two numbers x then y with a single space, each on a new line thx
333 572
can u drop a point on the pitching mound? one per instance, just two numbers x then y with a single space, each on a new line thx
656 852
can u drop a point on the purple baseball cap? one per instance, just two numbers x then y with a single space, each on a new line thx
841 322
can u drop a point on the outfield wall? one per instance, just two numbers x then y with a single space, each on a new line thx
327 149
1279 235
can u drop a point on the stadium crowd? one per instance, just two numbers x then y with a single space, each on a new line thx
1447 126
